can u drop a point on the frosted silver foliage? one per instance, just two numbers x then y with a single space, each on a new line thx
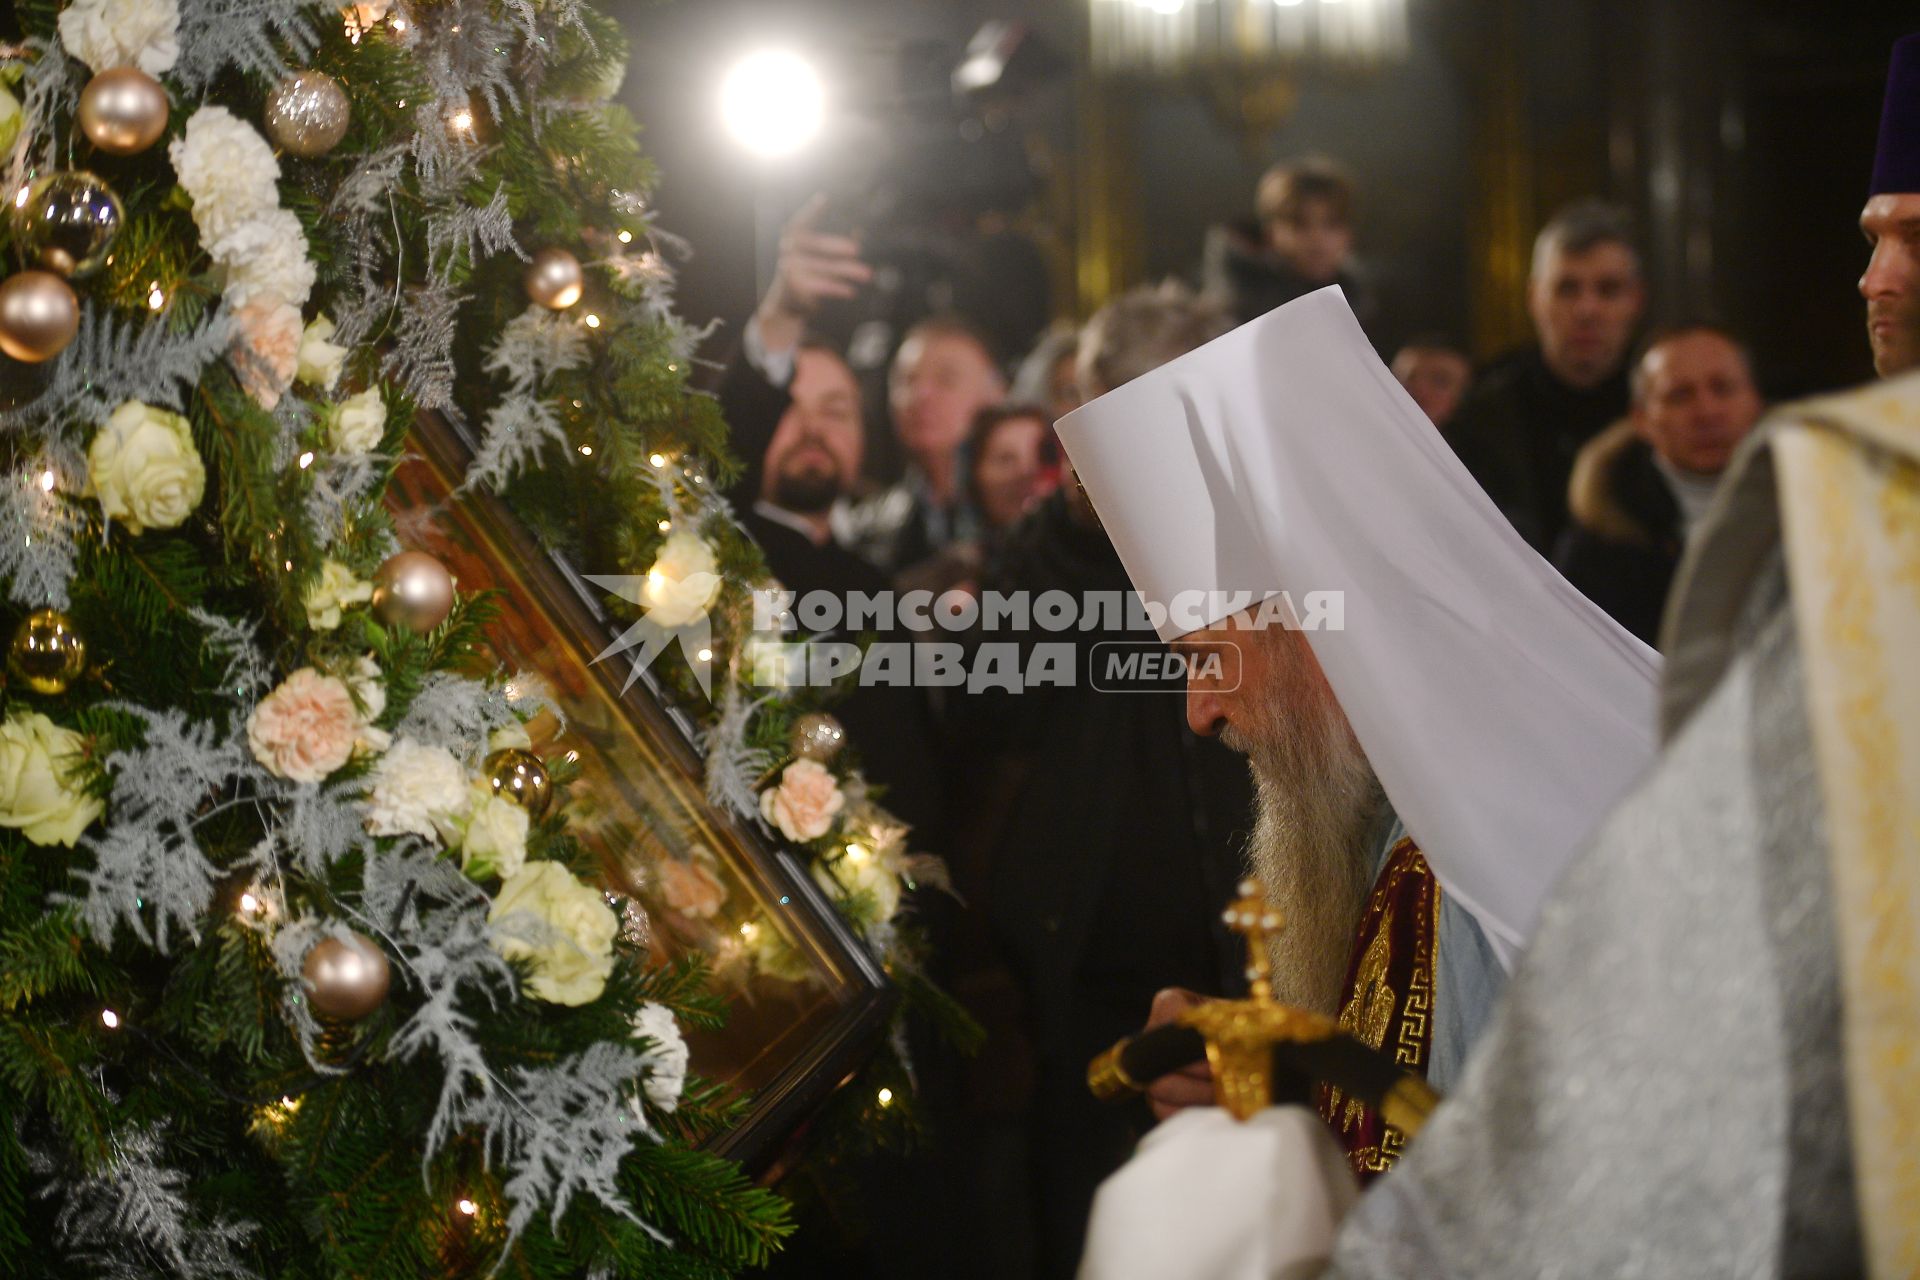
532 346
132 1218
247 35
470 233
422 356
564 1132
50 81
733 766
110 361
39 534
457 713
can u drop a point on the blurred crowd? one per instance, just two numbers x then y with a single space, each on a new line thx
1094 838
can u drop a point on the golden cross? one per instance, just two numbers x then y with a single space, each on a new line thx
1252 916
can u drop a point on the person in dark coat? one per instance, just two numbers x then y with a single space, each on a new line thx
1302 240
1640 485
1104 837
1530 411
794 409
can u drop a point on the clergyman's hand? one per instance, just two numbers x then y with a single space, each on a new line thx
1191 1086
814 266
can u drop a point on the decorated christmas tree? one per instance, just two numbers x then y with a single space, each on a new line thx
303 970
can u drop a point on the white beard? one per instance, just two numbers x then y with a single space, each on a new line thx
1318 805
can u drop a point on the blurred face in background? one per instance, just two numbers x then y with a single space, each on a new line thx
1063 389
1313 238
1009 471
1695 401
1891 284
939 381
1436 378
814 456
1585 307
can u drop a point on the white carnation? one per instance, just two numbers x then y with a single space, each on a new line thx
106 34
667 1059
418 790
265 257
370 695
494 841
682 582
227 168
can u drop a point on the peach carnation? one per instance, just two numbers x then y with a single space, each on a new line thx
306 728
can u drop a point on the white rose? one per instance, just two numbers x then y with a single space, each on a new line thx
803 806
417 789
266 348
9 120
861 872
494 841
356 424
36 793
265 257
666 1059
227 168
334 590
320 360
106 34
143 467
565 928
683 581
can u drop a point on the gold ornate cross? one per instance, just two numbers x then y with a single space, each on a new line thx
1254 918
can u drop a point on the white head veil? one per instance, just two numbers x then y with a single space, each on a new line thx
1503 711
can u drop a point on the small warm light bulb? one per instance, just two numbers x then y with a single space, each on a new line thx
249 903
290 1103
20 199
705 655
856 853
289 566
155 298
626 237
467 1206
657 459
400 24
462 120
748 930
46 480
110 1019
886 1097
593 321
665 525
306 460
586 451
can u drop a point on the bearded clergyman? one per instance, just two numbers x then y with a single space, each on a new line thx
1433 717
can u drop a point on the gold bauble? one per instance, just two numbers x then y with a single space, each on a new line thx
554 279
347 978
818 736
412 590
68 222
123 111
307 114
518 775
39 315
47 654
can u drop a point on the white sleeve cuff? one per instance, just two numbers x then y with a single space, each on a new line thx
775 366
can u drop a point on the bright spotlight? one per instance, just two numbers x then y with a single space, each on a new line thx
773 102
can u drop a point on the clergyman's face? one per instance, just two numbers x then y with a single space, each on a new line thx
1585 307
814 455
1891 284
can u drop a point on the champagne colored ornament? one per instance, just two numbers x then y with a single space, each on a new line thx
307 114
818 736
554 279
123 111
47 654
347 978
520 777
38 316
412 590
68 223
